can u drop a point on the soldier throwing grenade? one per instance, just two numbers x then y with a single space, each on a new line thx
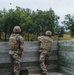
45 46
15 49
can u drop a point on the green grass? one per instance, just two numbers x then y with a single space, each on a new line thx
65 37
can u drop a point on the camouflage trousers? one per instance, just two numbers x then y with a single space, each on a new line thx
43 61
15 62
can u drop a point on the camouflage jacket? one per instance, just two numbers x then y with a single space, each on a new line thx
15 44
45 43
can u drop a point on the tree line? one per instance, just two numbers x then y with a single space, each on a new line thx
30 21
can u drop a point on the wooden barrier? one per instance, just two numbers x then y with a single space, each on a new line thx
30 58
66 57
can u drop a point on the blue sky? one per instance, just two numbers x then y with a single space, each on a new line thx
60 7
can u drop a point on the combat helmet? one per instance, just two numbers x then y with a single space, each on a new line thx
16 29
49 33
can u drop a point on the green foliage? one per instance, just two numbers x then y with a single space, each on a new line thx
69 23
59 31
30 21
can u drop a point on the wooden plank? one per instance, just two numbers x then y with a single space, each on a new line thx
7 72
66 57
28 46
27 64
31 56
67 48
66 71
34 69
67 54
67 43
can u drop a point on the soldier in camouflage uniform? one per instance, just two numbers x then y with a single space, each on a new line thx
15 49
45 46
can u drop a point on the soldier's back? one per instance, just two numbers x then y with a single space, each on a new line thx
46 42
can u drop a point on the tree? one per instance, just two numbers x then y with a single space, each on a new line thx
44 20
69 23
59 31
26 21
30 21
1 23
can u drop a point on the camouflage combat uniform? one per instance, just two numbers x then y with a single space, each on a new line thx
15 51
45 46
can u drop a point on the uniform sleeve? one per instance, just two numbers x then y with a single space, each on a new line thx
10 44
21 43
40 38
22 40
